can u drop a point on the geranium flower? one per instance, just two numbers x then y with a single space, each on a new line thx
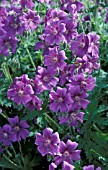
48 142
60 100
19 128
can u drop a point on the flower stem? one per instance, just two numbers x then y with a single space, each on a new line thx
15 155
11 162
51 121
6 72
4 116
21 152
30 57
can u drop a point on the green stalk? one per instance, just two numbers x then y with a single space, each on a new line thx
30 57
21 152
15 155
6 72
4 116
11 162
51 121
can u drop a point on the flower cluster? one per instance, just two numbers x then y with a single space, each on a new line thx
13 22
24 90
14 131
49 143
69 59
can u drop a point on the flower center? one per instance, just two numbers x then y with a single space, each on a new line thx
47 142
92 44
55 32
45 78
66 153
7 43
55 59
14 25
5 135
66 32
82 44
73 1
77 98
83 84
16 128
72 115
60 99
20 92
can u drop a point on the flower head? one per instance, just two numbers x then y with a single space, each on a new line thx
67 152
6 135
48 142
60 100
19 128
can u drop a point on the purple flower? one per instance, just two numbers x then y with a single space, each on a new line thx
52 166
46 78
0 110
13 25
66 74
60 100
30 20
67 152
106 19
80 46
93 44
48 142
20 93
37 88
27 3
5 43
78 4
55 15
84 83
67 166
1 150
86 18
90 167
55 59
6 135
42 1
73 117
91 63
70 32
35 102
19 128
54 33
78 97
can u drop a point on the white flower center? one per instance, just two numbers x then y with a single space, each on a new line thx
5 135
60 99
45 78
77 98
66 153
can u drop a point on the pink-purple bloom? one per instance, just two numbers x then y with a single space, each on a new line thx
72 117
90 167
6 135
19 128
60 100
79 97
20 93
80 45
54 33
46 78
67 152
55 59
30 20
67 166
47 142
93 44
